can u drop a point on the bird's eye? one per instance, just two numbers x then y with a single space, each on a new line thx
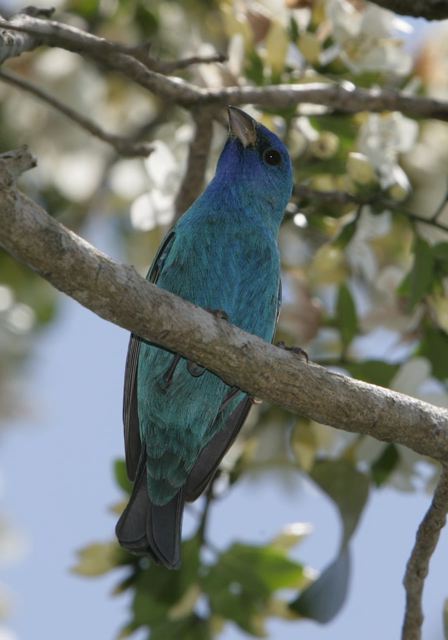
272 157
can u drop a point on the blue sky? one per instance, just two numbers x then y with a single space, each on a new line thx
58 484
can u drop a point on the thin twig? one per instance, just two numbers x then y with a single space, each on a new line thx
208 499
141 53
418 564
429 9
109 54
14 43
193 181
124 146
302 192
440 208
428 221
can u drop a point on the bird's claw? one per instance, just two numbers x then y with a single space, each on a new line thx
296 350
218 313
194 369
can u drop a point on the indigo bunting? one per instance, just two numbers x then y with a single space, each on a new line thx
222 255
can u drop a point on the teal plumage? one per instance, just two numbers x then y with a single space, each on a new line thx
222 255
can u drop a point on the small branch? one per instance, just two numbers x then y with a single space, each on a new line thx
302 192
440 208
109 54
208 499
13 164
123 146
141 53
431 222
429 9
418 565
14 43
193 181
118 294
344 97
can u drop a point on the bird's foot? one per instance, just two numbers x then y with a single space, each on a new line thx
218 313
193 369
167 377
297 350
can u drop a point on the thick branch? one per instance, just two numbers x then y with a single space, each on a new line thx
418 564
340 97
429 9
118 294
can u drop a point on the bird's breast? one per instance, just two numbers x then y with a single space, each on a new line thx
233 268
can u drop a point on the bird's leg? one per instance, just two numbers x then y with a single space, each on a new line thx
297 350
168 375
229 397
218 313
197 370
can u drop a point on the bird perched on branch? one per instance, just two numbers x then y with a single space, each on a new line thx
223 255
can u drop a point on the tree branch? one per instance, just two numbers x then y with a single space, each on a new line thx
123 146
109 54
304 193
344 97
418 564
14 43
193 180
118 294
429 9
141 53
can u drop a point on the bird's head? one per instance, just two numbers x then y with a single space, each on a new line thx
255 166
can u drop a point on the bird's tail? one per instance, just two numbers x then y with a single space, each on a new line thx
147 528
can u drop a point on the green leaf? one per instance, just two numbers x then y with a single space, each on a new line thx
121 476
346 233
346 316
241 582
158 590
419 281
98 558
323 600
440 251
373 371
349 489
146 20
254 68
385 464
191 628
293 29
434 346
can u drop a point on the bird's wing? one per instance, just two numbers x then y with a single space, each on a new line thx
130 413
211 455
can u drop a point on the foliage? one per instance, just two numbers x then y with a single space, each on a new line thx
364 276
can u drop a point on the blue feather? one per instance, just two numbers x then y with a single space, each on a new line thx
222 255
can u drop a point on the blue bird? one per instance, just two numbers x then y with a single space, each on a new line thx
222 255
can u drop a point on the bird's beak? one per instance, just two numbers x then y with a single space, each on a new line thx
242 126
